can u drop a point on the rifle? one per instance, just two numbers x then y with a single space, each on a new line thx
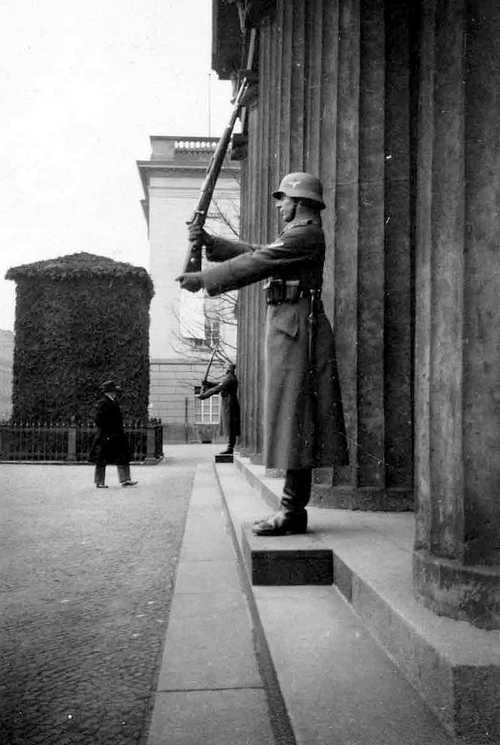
204 382
192 262
312 332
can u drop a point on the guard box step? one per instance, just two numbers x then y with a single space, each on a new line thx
285 560
223 458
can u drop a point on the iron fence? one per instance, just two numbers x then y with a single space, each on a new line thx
36 441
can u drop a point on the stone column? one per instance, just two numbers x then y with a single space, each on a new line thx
457 546
372 263
344 265
370 280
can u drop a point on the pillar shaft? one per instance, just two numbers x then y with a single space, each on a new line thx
371 275
373 265
458 284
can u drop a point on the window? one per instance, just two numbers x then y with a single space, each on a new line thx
208 410
212 332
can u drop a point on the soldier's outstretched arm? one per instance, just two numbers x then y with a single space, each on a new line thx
207 384
290 251
211 391
222 249
216 247
190 281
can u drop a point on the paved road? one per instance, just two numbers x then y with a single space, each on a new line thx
86 578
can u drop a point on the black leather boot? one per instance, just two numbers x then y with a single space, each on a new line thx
292 517
282 524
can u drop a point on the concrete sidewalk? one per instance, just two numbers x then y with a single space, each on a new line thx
211 685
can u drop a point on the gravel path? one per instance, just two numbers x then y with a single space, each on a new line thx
86 579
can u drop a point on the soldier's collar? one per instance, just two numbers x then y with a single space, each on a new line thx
300 222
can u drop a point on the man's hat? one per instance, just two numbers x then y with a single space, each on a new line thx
109 386
301 185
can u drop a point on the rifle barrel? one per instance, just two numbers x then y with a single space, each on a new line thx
192 262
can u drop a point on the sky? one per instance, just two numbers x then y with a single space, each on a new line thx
83 85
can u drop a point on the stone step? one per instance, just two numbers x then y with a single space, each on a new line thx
223 458
209 688
453 666
338 685
270 562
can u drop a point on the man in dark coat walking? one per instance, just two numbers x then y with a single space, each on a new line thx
228 389
110 445
303 416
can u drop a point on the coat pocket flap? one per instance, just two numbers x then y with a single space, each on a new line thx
287 321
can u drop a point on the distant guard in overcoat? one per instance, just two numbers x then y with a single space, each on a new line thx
110 444
228 389
303 415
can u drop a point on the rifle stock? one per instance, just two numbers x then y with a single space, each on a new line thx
192 262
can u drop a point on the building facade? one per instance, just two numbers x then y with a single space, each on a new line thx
394 105
184 327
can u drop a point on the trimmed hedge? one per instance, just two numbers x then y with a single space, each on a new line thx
80 319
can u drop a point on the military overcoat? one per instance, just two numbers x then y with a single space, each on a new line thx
230 406
303 415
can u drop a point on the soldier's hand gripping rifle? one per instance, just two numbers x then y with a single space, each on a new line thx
193 257
205 385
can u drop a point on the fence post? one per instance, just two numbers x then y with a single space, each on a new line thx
150 443
72 442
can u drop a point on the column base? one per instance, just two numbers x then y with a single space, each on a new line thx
251 454
257 459
465 593
366 498
275 473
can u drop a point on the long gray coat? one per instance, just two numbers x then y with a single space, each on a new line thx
303 418
228 389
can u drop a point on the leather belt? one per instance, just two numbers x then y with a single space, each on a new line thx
285 291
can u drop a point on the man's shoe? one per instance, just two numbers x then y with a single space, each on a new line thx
101 486
227 451
129 483
281 524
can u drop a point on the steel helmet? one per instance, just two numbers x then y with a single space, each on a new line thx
301 185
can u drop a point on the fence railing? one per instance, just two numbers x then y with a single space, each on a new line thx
71 442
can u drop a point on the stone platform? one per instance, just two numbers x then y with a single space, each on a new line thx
222 458
268 562
453 666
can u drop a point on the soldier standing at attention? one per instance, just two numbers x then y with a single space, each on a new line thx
228 389
303 416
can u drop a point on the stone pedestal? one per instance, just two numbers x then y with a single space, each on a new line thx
220 458
457 464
